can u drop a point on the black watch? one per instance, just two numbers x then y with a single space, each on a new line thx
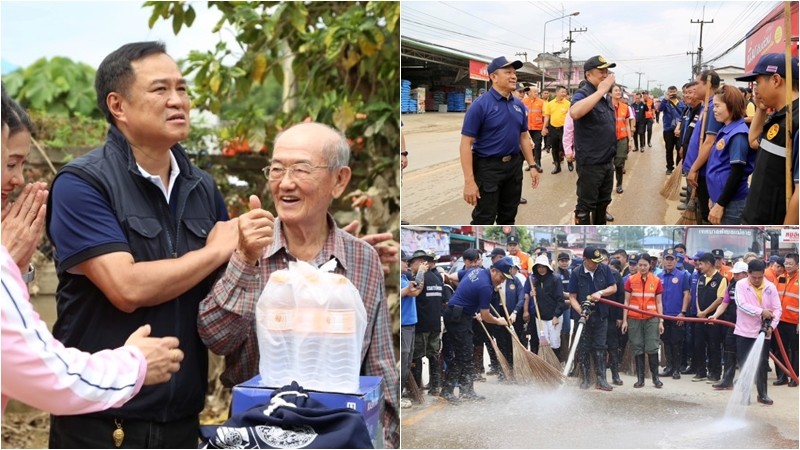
683 312
404 153
530 167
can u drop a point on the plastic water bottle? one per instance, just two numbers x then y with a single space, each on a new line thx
310 297
275 317
344 325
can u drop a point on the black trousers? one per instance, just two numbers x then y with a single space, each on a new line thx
788 333
556 134
594 185
500 186
743 347
536 135
96 432
595 335
673 334
649 125
638 135
672 150
707 342
688 343
503 340
613 337
459 339
702 201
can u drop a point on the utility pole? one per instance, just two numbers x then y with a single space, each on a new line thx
639 83
692 55
570 41
700 48
525 54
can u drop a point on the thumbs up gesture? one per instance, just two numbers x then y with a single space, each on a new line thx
256 230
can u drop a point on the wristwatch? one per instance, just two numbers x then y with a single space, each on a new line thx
683 312
28 276
404 153
530 167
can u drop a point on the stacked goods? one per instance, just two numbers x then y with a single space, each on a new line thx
456 102
407 104
439 98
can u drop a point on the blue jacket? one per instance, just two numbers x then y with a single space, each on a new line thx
672 113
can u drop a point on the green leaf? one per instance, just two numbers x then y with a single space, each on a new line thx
190 16
177 18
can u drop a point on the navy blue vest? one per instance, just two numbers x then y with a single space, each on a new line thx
595 133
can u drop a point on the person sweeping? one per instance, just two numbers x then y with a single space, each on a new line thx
549 298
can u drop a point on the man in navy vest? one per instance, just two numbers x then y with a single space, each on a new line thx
595 142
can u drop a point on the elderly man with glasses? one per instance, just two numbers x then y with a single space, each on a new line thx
309 169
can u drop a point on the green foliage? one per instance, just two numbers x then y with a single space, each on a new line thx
522 233
59 86
60 132
338 63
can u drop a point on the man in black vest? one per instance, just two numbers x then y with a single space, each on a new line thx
711 288
428 331
595 142
139 232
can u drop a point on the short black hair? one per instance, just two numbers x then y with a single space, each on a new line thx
756 265
115 73
672 87
715 80
677 246
709 258
792 256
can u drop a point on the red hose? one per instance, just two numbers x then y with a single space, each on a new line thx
777 362
785 357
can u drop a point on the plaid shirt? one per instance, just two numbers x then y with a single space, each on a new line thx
227 325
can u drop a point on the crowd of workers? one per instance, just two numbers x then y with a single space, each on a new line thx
444 315
742 133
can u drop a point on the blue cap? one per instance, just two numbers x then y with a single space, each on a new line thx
501 62
504 265
698 255
670 253
769 64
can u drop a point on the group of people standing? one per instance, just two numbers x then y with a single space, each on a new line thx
654 296
596 130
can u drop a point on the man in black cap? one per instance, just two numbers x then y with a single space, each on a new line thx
428 331
525 260
472 297
595 142
588 283
766 201
495 129
719 263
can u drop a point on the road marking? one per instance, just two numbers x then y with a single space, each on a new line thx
438 406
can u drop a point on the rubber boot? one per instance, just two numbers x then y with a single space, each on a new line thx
639 371
676 361
599 214
416 371
619 175
582 218
653 360
600 371
727 375
615 379
761 387
434 372
584 364
669 370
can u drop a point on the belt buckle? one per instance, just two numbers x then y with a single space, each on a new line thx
506 158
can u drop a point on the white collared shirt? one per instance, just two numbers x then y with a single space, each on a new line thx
174 171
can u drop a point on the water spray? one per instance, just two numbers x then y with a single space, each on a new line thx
587 308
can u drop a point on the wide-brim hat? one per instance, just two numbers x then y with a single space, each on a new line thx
542 260
421 254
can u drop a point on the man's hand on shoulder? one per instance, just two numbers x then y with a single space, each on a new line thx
381 242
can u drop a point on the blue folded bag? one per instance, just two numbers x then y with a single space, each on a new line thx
291 419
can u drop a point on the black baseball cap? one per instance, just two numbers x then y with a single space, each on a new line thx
500 62
563 255
770 64
597 62
593 253
718 253
513 239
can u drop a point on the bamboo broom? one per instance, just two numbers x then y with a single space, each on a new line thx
671 189
545 351
504 366
413 389
522 371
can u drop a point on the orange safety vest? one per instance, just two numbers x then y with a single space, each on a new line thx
621 114
535 112
643 295
726 272
525 262
649 114
789 298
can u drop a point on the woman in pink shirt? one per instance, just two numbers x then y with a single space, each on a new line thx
757 301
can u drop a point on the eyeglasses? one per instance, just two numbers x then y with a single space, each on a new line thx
299 171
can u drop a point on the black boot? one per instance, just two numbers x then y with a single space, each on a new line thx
584 363
600 371
727 375
639 371
434 372
619 174
582 218
556 169
599 215
761 387
652 358
669 370
676 361
615 379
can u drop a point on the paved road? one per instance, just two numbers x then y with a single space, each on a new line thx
433 182
683 414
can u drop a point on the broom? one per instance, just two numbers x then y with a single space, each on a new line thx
689 216
545 351
506 368
413 389
542 372
522 371
672 185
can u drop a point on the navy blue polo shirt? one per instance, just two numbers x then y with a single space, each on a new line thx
496 123
474 291
674 283
595 132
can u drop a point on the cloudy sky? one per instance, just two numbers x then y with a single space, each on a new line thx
640 36
88 31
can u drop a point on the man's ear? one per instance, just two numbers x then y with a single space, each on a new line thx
343 175
114 102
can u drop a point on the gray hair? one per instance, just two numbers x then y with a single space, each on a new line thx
335 148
